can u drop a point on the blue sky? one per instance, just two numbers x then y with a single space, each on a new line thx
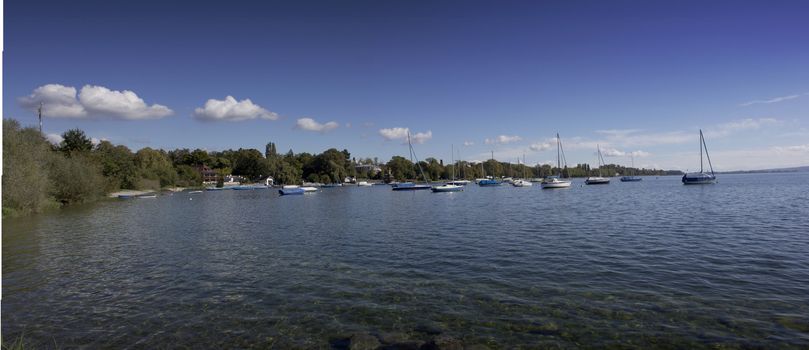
630 76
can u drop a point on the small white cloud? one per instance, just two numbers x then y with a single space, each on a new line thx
401 134
54 139
503 139
640 154
59 101
540 146
421 137
231 110
310 124
794 149
612 152
468 143
98 100
771 100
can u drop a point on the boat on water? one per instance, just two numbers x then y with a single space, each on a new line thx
194 192
364 184
524 182
556 181
631 178
290 191
701 178
410 186
598 180
308 189
331 185
459 182
143 196
489 181
449 187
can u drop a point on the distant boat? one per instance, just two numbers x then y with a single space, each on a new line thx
631 178
489 181
598 180
332 185
243 188
557 181
460 182
194 192
701 178
147 196
363 183
290 191
409 186
524 182
309 189
449 187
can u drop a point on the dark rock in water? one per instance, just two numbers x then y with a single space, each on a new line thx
362 341
429 328
410 345
443 342
476 347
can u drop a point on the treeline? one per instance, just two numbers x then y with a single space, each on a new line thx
38 175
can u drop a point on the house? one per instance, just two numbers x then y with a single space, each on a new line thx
208 174
370 169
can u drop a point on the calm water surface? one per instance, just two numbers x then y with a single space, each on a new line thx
645 264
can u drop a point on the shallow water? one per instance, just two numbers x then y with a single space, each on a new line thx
647 264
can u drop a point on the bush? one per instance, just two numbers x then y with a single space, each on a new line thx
76 179
25 157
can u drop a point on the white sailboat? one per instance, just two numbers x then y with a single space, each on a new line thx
449 186
557 181
598 180
524 182
701 178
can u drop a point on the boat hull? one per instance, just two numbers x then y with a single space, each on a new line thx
522 183
290 191
447 188
411 188
698 179
631 179
484 183
597 181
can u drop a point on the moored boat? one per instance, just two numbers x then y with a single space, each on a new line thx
598 180
409 186
701 178
557 181
447 188
290 191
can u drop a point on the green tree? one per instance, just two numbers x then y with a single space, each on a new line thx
155 165
117 165
77 179
25 179
401 168
74 140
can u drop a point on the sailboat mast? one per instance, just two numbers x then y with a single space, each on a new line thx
701 141
452 156
558 147
706 152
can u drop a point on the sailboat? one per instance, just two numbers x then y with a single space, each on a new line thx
489 180
631 178
598 180
450 186
701 177
409 186
556 181
524 182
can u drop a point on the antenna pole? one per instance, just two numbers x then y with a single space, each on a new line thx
39 111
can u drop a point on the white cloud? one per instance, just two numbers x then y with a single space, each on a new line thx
468 143
541 146
58 101
793 149
54 139
98 100
421 137
612 152
503 139
92 101
401 134
771 100
230 109
310 124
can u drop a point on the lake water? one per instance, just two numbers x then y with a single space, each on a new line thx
647 264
